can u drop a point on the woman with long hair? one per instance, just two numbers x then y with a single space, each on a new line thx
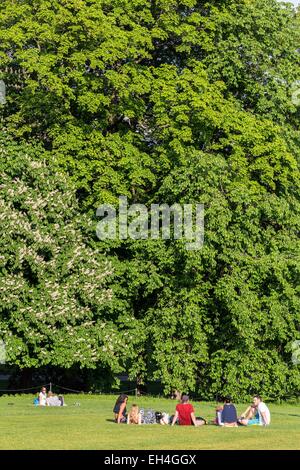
120 408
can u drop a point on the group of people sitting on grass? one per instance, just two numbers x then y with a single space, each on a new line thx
256 414
49 399
226 414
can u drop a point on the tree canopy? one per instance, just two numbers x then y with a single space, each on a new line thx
174 101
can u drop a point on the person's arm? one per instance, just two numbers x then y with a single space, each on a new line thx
264 417
222 416
262 409
175 418
235 413
193 419
245 414
140 419
120 415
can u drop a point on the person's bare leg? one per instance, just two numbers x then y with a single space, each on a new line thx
244 422
200 422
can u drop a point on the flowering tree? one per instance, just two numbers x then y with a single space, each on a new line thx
53 283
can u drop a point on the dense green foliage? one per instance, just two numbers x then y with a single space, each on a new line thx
175 101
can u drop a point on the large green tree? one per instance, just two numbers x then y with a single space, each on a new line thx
177 101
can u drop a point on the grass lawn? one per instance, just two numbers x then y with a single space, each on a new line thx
90 426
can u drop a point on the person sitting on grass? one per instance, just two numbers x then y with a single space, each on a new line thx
62 401
134 415
250 413
261 415
228 414
43 396
120 409
185 414
53 400
218 419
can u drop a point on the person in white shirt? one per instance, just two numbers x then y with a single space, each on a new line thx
260 414
263 411
43 396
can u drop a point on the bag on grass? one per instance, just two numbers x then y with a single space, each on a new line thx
148 416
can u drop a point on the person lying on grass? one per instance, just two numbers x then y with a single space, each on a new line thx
134 415
162 418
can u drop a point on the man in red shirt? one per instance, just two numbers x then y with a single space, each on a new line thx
184 413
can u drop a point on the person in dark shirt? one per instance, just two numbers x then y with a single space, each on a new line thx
120 409
229 414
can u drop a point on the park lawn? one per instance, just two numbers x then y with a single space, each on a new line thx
90 426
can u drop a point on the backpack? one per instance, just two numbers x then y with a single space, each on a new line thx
148 416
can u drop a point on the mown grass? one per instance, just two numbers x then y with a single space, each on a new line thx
91 426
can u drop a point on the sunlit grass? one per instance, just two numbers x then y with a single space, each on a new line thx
91 426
